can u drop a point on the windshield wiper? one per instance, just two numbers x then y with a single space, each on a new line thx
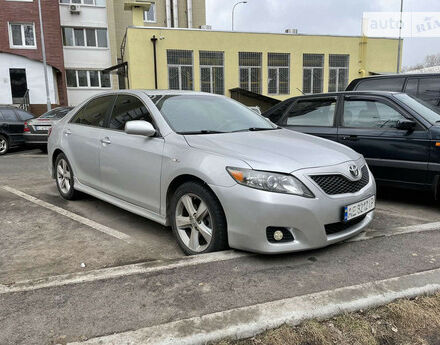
256 129
203 131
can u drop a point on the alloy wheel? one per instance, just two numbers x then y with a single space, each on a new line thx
3 145
64 177
194 222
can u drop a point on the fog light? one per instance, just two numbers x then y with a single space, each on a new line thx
278 235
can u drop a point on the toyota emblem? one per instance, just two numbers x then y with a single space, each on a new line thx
354 170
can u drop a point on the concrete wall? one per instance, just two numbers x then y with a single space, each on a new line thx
379 54
34 77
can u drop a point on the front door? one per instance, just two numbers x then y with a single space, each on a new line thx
368 125
83 134
18 81
314 116
131 164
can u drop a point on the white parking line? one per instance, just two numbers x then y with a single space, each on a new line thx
90 223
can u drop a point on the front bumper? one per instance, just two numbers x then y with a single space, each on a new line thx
32 138
250 211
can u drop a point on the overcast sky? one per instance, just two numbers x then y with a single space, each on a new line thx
340 17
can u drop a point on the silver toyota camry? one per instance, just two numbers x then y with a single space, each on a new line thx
215 171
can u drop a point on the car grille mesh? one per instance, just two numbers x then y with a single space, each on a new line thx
339 184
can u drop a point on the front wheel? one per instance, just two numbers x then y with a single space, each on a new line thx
197 219
64 178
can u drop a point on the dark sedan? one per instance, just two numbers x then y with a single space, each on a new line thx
36 130
12 122
399 135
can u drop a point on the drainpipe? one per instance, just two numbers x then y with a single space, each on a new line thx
154 40
43 50
189 13
175 14
168 11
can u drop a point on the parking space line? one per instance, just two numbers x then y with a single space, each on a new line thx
90 223
399 214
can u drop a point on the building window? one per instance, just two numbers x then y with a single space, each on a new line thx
98 3
212 72
250 71
85 37
313 73
22 35
278 73
87 79
338 72
150 15
180 69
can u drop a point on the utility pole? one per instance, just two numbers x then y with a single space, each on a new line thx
399 47
233 9
43 50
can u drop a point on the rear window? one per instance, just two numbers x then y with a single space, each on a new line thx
381 84
56 113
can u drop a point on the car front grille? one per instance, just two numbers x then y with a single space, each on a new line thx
339 184
341 226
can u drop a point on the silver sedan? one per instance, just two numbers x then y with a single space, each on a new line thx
218 173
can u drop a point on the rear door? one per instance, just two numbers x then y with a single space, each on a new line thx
368 125
81 137
131 164
314 116
12 126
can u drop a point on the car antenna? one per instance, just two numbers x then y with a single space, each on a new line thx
300 90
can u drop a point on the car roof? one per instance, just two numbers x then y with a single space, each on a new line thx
328 94
400 75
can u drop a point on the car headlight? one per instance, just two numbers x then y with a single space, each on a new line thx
269 181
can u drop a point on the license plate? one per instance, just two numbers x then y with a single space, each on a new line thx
42 128
359 208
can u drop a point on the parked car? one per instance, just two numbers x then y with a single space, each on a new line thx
12 122
213 169
35 130
423 86
399 135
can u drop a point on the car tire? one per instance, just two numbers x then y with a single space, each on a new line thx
4 145
64 178
206 229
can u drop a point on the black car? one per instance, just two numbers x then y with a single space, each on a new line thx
11 127
399 135
423 86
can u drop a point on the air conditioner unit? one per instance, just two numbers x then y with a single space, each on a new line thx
206 27
291 31
75 9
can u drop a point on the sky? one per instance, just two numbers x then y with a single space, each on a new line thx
337 17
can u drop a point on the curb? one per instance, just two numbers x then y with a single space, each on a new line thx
247 321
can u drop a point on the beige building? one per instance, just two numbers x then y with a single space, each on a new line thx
155 13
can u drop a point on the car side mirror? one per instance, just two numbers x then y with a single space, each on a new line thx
406 125
140 127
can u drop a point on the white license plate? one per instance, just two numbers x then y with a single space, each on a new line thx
42 128
359 208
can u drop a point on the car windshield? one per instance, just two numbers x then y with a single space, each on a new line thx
424 109
56 113
199 114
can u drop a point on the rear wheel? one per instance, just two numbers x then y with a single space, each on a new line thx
64 178
4 145
197 219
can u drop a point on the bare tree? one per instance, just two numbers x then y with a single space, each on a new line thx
429 61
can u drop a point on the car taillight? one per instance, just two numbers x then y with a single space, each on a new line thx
26 127
49 131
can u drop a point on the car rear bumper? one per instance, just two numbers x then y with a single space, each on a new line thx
249 212
33 138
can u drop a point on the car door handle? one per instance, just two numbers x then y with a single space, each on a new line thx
106 140
67 132
350 137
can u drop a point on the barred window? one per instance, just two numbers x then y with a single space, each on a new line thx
313 73
278 73
211 72
180 69
338 72
250 71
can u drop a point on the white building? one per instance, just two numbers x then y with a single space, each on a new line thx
86 48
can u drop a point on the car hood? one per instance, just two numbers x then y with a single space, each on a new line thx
275 150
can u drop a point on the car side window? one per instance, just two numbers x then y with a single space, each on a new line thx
275 113
128 108
317 112
9 115
429 90
381 84
412 86
94 112
24 116
370 114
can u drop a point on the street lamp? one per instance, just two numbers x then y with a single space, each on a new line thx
399 47
43 51
233 9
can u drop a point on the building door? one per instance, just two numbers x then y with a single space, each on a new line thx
18 84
